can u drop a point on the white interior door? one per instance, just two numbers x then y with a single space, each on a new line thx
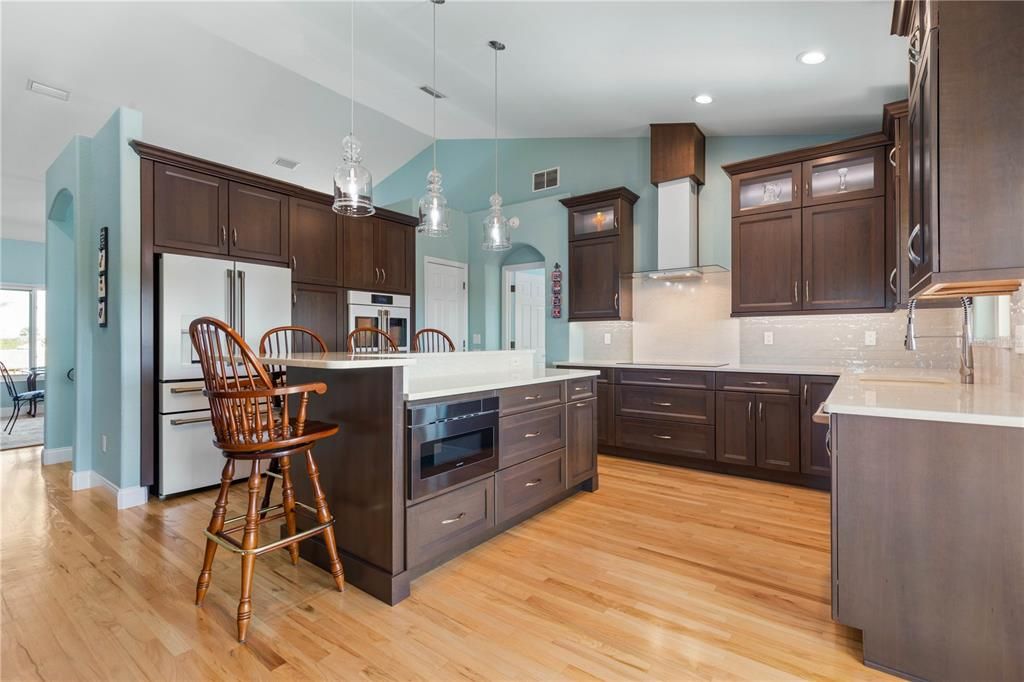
445 300
529 312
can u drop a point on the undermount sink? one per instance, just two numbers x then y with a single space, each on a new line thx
904 379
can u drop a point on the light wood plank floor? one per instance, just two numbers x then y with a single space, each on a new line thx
664 573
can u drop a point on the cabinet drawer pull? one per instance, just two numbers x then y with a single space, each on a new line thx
757 383
580 388
454 519
532 397
663 378
661 404
582 404
191 420
536 481
661 436
532 434
193 389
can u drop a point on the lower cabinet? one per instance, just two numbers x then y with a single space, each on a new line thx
736 436
526 435
321 309
760 430
581 441
605 415
695 441
524 486
445 522
814 457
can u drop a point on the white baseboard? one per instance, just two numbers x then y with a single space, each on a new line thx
56 455
126 497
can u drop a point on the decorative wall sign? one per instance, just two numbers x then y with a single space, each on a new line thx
556 292
101 287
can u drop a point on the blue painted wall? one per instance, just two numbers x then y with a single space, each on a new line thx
22 262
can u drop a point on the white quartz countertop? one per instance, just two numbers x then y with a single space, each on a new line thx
422 388
927 395
340 360
730 367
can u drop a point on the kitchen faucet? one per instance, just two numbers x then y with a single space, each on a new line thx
966 336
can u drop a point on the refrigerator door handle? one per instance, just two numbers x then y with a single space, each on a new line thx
241 302
231 297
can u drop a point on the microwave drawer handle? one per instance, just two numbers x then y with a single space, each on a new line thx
191 420
194 389
454 519
532 434
536 481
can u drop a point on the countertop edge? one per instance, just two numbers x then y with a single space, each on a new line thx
496 385
924 415
731 367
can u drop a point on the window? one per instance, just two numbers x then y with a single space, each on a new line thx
22 328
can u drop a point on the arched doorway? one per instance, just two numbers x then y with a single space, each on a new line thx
59 428
524 301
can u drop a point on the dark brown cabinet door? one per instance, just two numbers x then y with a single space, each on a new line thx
315 243
580 440
190 210
359 237
778 432
321 309
605 415
814 457
766 263
258 223
922 128
844 255
736 432
844 177
594 280
395 249
766 191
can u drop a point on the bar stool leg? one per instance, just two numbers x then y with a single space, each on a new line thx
216 525
288 500
323 514
250 539
273 468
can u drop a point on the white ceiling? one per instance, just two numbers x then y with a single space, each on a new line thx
244 82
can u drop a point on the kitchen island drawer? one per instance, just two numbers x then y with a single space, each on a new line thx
671 438
531 397
580 389
526 435
758 383
530 484
667 377
674 404
447 521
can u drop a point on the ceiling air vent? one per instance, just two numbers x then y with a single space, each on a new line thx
545 179
436 94
286 163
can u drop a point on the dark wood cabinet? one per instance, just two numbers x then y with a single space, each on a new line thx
766 190
766 263
814 457
315 243
322 309
581 440
601 255
778 432
605 415
190 210
844 177
844 255
258 223
378 255
359 239
923 182
736 432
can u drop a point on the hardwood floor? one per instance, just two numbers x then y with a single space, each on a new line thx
665 573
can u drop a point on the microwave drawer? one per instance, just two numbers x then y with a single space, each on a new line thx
526 435
580 389
667 377
529 485
759 383
657 402
445 522
182 396
531 397
671 438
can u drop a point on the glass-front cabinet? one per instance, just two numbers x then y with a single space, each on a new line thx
762 191
856 175
601 220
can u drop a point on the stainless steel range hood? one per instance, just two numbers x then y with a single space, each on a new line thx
677 169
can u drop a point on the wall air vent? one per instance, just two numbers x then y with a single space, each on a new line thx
287 164
545 179
436 94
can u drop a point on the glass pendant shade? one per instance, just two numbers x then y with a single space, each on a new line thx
496 228
433 208
353 184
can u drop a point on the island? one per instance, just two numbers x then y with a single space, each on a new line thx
438 452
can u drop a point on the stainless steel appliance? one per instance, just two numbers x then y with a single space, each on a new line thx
449 443
252 299
390 312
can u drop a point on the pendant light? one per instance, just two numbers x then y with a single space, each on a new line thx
496 225
433 206
353 184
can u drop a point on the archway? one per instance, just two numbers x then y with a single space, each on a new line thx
59 428
524 301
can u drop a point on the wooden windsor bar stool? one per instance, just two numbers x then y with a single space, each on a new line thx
277 342
429 340
370 340
248 426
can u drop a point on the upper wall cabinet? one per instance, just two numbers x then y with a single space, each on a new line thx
190 210
766 190
315 243
258 223
379 254
844 177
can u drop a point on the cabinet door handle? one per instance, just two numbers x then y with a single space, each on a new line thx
796 189
796 291
892 281
191 420
295 263
913 53
807 291
805 393
828 442
295 299
892 157
616 303
383 275
760 411
661 404
536 481
750 410
223 234
376 274
914 258
661 436
193 389
234 236
454 519
532 434
807 188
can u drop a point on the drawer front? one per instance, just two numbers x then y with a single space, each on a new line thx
524 436
675 404
671 438
758 383
661 377
523 398
580 389
444 522
530 484
188 458
183 396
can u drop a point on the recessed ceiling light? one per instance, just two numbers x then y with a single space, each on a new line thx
48 90
703 99
286 163
811 57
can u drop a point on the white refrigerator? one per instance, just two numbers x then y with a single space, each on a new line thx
252 299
